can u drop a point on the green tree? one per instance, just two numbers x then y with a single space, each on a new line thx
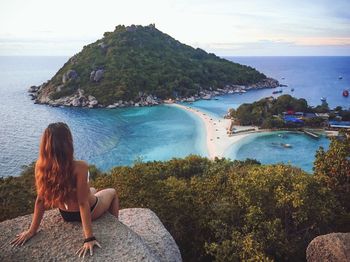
332 167
218 209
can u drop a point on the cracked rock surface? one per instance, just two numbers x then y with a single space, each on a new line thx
138 236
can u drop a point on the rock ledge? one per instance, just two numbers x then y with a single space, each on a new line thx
138 236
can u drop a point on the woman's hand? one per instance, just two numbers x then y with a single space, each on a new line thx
87 246
22 238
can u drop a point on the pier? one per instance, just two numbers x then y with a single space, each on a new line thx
311 134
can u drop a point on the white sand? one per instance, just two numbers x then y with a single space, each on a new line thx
217 138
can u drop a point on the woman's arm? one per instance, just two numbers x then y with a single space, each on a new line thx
39 211
83 194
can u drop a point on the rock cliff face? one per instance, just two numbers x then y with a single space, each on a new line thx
334 247
137 236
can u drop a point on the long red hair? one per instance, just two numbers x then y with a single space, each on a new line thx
54 168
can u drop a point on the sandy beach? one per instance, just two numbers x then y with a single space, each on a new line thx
218 141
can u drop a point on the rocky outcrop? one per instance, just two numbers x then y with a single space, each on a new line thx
138 236
33 89
69 75
265 83
145 223
79 99
334 247
96 75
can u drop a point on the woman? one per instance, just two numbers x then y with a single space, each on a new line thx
62 182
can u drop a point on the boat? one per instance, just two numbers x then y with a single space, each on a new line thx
346 93
323 99
277 91
286 145
340 77
292 89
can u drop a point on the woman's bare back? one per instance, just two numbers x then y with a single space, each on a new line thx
80 168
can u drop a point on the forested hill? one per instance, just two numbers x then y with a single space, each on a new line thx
137 60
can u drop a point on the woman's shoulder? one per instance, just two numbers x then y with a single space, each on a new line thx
80 167
80 163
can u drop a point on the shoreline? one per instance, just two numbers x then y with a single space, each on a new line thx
41 95
217 139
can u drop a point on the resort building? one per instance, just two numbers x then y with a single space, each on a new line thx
339 124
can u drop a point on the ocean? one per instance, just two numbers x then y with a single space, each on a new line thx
310 77
108 138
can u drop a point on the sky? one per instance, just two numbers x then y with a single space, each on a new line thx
223 27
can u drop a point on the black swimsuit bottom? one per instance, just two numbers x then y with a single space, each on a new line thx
73 216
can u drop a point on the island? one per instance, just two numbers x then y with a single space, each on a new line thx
140 65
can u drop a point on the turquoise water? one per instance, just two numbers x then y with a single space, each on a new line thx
268 148
103 137
108 138
311 78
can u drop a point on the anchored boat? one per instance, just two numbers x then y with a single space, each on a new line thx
277 91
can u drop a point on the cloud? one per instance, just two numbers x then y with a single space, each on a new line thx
45 39
277 48
218 26
323 41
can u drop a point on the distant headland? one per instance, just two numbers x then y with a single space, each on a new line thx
139 66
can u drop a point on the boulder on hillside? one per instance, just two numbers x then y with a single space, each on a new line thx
334 247
138 236
98 75
70 74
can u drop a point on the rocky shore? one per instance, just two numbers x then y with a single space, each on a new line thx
42 94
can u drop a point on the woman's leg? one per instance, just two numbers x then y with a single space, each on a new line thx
107 201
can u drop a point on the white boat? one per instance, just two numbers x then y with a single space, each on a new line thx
286 145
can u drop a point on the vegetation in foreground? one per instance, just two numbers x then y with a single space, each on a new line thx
225 210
